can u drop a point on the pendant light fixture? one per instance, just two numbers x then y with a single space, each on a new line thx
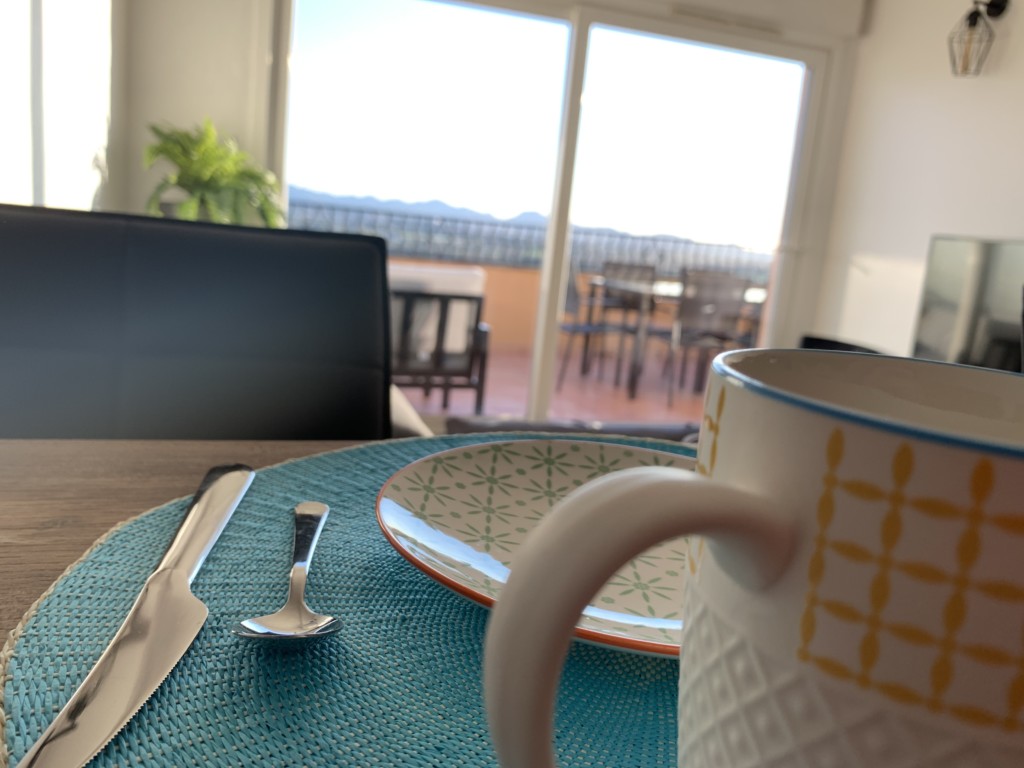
972 37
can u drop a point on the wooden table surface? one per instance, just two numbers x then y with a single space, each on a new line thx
58 496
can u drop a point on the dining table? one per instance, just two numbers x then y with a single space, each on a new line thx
83 522
58 496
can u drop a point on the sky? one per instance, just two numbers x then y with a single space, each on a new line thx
418 100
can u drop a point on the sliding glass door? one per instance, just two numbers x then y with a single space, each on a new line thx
435 126
539 149
683 162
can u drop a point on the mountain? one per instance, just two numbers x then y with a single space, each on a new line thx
438 209
432 208
530 220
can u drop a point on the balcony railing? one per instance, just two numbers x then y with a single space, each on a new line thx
522 245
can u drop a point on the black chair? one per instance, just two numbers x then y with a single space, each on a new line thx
619 309
118 326
431 348
708 320
823 342
581 319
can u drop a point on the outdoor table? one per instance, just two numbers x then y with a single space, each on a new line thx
649 294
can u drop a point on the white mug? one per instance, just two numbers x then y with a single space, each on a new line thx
855 590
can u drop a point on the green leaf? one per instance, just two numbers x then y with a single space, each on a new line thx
153 203
216 175
188 209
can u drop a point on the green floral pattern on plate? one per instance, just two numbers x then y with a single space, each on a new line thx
460 515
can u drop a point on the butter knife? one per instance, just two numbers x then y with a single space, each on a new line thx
159 628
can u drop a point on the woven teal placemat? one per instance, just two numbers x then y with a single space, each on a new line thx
399 686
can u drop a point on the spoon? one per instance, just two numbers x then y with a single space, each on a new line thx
295 621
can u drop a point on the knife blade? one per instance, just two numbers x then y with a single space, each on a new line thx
159 628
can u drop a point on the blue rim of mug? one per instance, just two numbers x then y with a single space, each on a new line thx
722 367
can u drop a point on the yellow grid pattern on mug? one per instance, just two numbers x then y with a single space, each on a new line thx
711 426
948 653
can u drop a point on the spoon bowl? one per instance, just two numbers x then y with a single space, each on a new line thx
295 621
301 625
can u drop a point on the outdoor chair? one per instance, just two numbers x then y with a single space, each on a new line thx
582 318
439 342
623 306
707 321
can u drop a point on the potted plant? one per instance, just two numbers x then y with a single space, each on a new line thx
221 182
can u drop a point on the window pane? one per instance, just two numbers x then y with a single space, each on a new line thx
684 139
683 162
435 126
418 101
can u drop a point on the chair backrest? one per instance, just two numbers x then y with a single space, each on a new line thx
573 304
412 288
434 334
624 270
117 326
712 302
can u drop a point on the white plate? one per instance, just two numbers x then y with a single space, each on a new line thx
459 516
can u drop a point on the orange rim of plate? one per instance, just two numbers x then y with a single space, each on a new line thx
582 633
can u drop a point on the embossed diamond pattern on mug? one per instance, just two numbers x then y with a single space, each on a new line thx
901 625
781 717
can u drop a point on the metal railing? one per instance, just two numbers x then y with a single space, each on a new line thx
522 245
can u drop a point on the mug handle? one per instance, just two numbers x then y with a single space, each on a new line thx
573 552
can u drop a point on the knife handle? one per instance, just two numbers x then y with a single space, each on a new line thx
211 508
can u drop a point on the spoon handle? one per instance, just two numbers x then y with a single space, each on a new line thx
310 517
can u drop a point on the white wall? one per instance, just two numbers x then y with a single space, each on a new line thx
110 68
924 153
185 61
